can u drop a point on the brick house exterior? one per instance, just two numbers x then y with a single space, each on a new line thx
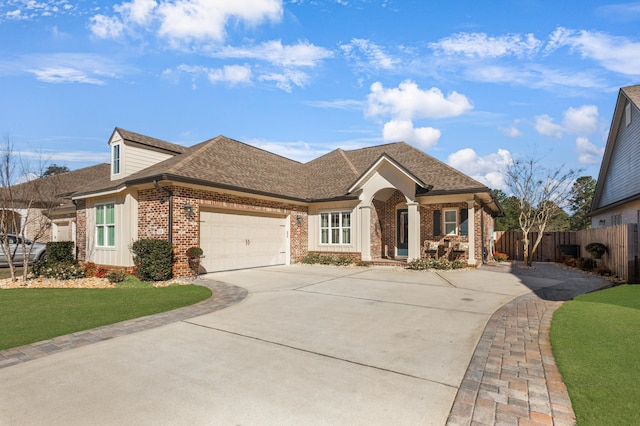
247 207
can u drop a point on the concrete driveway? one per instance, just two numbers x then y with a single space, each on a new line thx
309 345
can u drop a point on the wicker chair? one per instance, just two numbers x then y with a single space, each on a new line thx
431 248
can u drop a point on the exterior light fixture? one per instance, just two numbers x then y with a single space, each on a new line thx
188 210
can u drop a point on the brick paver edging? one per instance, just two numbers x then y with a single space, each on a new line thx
512 378
224 295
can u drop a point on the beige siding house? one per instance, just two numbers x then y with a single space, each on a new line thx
617 195
247 207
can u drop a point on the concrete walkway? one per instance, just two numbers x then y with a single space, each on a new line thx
511 379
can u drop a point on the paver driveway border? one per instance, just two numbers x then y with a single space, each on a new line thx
511 377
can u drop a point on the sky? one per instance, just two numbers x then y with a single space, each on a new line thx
474 84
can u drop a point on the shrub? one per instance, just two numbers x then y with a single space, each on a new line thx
327 259
194 252
500 257
153 259
596 249
116 276
588 264
430 263
60 252
603 270
101 272
90 269
59 271
363 263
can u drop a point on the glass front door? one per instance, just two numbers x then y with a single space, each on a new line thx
402 234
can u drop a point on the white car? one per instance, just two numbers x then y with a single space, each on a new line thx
38 250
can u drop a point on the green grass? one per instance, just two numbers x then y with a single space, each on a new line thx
596 343
32 315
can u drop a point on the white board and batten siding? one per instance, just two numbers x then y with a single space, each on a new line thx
238 240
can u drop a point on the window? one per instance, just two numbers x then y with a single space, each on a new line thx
451 222
627 113
115 161
335 228
105 225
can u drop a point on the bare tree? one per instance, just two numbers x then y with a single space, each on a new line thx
541 194
24 207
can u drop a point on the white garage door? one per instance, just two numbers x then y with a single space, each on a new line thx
238 241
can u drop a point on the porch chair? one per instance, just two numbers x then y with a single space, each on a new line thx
461 250
431 248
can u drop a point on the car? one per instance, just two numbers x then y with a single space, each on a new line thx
38 250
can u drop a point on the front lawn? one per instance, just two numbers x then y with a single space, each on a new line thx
595 340
31 315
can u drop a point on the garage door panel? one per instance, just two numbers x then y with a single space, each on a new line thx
234 241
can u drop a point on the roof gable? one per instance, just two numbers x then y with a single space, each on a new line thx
619 176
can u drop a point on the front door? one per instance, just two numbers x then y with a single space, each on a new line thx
402 234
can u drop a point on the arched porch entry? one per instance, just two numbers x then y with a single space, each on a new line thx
389 214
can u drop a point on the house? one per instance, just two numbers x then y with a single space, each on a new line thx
42 209
246 207
617 195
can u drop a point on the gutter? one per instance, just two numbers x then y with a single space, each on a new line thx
170 192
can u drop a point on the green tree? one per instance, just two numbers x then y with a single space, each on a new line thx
580 199
54 169
508 222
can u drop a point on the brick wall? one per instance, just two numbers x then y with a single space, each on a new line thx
153 211
81 230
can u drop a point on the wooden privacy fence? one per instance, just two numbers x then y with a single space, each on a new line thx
621 241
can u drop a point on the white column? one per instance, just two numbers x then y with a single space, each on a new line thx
471 222
365 232
414 231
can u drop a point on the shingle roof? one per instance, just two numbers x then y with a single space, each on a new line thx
633 93
149 141
224 162
57 188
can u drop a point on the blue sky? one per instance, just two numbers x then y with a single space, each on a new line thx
474 84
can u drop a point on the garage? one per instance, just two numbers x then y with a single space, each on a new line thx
236 240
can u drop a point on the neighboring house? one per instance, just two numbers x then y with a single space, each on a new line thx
617 196
42 209
247 207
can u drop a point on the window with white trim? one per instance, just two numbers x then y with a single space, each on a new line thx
335 228
115 159
105 225
451 222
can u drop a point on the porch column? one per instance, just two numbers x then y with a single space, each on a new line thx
414 231
365 232
471 226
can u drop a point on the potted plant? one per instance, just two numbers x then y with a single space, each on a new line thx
194 252
596 250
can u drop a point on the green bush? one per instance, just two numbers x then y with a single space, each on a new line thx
59 270
327 259
153 259
116 276
430 263
60 252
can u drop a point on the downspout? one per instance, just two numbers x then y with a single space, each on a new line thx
170 192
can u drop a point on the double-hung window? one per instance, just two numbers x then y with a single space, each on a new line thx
105 225
335 228
115 160
450 222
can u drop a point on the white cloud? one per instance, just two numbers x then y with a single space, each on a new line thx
588 153
232 74
184 21
287 79
64 75
545 126
408 101
488 169
618 54
511 131
374 55
480 45
301 54
403 130
582 120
